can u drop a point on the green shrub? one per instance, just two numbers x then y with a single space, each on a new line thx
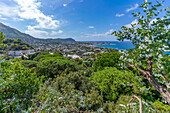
51 67
29 63
78 81
67 100
113 82
17 86
160 107
106 60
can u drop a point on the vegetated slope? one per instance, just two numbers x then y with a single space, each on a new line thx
15 45
14 34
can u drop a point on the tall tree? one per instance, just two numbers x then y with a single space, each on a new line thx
2 37
151 36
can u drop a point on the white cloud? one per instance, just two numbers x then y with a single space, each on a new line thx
155 20
91 27
119 15
29 9
58 3
133 8
1 18
42 33
133 22
127 10
108 33
36 33
60 31
18 19
64 5
53 33
8 11
138 26
97 36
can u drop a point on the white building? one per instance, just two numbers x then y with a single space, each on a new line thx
88 53
73 56
19 53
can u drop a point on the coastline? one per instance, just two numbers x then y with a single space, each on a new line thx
119 45
112 46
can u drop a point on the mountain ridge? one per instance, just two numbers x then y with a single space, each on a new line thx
13 33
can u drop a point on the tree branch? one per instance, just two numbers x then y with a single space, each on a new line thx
140 102
163 76
135 67
149 64
163 91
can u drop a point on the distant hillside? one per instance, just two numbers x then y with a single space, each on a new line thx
14 34
15 45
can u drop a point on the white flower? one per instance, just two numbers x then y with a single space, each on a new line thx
160 56
121 57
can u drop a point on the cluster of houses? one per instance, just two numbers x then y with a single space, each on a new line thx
19 53
73 51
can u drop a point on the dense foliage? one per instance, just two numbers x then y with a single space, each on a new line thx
113 82
2 38
107 60
15 44
18 87
151 37
49 82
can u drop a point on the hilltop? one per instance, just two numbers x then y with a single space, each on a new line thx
13 33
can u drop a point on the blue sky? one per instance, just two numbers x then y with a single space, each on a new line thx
83 20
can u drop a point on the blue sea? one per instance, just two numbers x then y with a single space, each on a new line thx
118 45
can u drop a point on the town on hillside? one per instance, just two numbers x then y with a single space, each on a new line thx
16 48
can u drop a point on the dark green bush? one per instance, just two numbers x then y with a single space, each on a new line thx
78 81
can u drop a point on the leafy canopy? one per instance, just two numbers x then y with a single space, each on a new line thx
106 60
151 36
17 86
113 82
2 38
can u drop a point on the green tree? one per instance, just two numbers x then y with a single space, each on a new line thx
77 80
2 38
87 62
106 60
30 63
17 86
151 38
68 100
51 67
113 82
32 56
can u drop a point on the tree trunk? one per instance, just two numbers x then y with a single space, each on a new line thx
164 92
148 74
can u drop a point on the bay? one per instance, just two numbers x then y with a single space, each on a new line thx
118 45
